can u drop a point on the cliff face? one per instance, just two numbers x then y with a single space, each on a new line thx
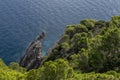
33 55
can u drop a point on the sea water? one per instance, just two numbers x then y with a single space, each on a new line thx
22 20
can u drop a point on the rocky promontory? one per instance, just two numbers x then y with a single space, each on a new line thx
33 55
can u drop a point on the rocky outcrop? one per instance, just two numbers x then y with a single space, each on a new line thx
33 55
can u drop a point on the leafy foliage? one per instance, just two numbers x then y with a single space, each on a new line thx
93 46
9 74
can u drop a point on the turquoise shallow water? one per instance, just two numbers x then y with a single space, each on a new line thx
22 20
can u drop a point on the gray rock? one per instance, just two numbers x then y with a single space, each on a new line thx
33 55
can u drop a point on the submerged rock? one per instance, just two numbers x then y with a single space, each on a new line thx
33 55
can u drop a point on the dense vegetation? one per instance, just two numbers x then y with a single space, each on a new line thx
90 46
87 51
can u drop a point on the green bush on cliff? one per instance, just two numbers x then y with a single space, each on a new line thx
8 74
90 24
15 66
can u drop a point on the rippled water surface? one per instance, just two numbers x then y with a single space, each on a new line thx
22 20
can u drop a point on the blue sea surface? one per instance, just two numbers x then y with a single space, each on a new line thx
22 20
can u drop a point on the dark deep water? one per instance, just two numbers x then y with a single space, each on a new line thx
22 20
